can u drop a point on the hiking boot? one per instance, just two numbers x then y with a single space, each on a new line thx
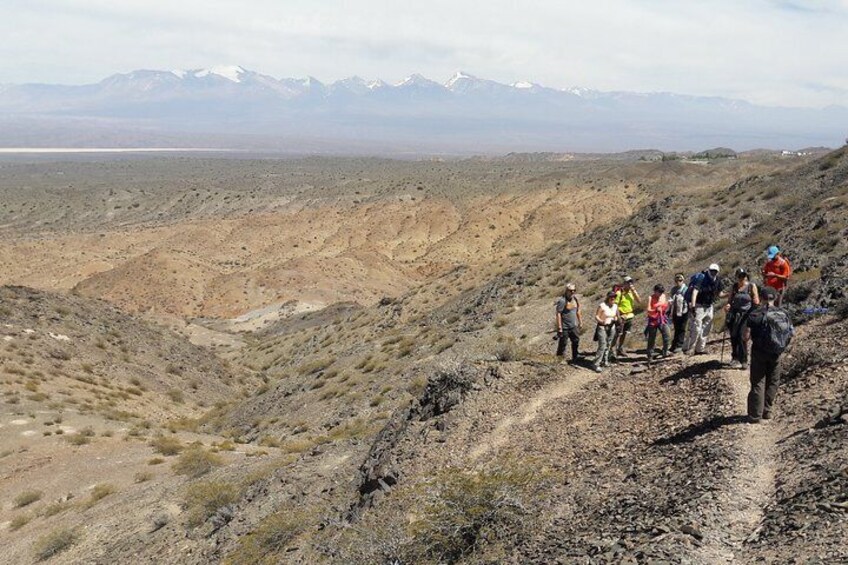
597 369
766 415
735 364
753 420
620 353
743 366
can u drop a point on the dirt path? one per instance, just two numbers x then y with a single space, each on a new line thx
569 383
737 511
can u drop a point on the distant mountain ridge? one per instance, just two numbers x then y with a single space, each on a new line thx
465 114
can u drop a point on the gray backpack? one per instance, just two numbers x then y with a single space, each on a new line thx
771 329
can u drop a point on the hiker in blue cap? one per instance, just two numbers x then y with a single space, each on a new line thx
776 272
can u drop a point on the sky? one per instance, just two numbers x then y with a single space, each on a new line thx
773 52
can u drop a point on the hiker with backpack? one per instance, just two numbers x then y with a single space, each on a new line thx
606 317
569 321
626 299
657 321
776 272
704 289
744 295
679 311
771 333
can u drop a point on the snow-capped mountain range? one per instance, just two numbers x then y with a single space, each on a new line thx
464 114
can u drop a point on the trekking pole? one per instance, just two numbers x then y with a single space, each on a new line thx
723 337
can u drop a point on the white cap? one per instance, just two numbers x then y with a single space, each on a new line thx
628 279
714 267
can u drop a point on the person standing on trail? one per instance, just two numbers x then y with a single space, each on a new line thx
743 297
658 321
606 317
679 311
625 299
776 272
771 333
569 321
704 290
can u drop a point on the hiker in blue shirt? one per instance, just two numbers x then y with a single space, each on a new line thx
704 289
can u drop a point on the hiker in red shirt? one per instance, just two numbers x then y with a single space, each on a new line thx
776 272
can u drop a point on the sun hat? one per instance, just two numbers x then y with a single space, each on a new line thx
714 267
628 279
772 252
571 286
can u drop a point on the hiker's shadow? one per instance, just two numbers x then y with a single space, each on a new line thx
694 371
702 428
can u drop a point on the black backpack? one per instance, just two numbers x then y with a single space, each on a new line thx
771 329
742 300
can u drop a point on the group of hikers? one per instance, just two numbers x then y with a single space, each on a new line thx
752 313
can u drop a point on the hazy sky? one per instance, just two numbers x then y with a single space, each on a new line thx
791 52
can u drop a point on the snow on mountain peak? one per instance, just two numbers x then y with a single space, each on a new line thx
523 84
230 72
458 77
415 80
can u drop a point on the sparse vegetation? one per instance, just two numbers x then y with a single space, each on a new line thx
274 533
203 499
19 522
54 543
99 492
166 445
27 497
196 462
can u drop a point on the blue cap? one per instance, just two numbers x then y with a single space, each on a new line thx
772 251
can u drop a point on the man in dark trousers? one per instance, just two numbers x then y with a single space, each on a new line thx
569 321
771 333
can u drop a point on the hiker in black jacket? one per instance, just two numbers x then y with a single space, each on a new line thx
569 321
771 333
744 295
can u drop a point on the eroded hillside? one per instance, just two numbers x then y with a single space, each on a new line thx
223 239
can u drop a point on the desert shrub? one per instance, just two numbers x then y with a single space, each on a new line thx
714 249
509 351
53 543
77 439
54 508
799 362
27 497
841 310
142 476
196 462
315 366
460 511
176 395
798 293
202 500
273 534
166 445
19 522
99 492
